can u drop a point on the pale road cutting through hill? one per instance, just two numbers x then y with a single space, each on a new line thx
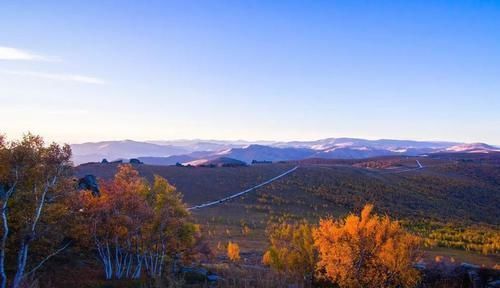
242 192
420 166
222 200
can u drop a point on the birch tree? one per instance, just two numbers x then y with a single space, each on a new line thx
33 181
135 226
169 229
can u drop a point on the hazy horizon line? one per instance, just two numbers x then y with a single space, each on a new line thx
276 140
270 141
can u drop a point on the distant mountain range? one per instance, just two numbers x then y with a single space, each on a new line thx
202 151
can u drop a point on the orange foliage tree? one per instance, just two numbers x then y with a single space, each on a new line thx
233 251
366 251
134 225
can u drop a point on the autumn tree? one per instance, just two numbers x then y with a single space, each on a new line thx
114 221
168 230
233 251
366 251
135 226
291 249
34 179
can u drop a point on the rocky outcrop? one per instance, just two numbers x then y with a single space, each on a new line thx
89 182
135 161
441 274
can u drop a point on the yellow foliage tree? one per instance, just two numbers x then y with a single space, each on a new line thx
291 249
266 258
366 251
34 184
233 251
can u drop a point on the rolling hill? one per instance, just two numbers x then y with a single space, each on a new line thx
452 187
112 150
171 152
452 192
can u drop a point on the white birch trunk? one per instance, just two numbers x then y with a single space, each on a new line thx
23 252
5 235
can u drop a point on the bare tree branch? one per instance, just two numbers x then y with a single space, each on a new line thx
47 258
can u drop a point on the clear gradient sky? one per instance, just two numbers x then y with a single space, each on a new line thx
76 71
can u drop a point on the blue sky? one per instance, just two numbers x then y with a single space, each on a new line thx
78 71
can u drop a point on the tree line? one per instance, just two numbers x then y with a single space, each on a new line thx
135 227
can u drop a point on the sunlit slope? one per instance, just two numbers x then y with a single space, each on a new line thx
199 184
446 189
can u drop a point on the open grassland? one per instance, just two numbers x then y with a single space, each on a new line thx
453 202
198 185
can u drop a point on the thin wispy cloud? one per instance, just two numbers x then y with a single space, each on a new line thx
56 77
13 54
